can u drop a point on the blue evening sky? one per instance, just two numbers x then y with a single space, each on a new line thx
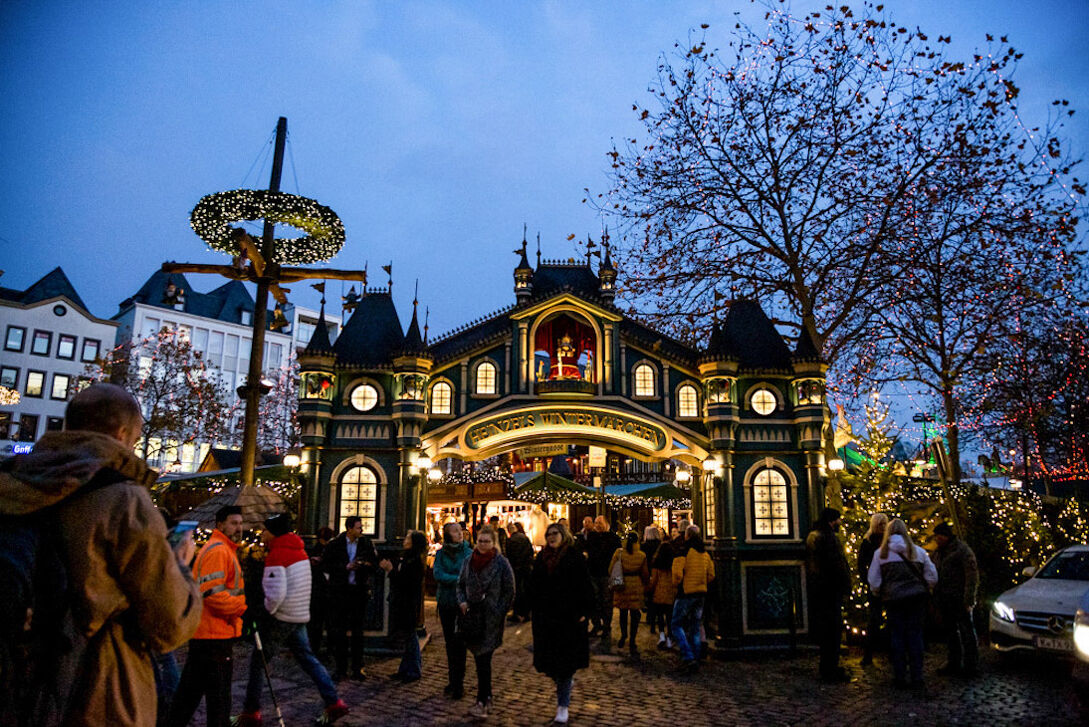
434 129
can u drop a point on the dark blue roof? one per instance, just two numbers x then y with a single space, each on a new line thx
319 341
52 285
373 335
551 277
225 303
749 337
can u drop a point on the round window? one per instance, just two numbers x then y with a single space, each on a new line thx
364 397
59 310
763 401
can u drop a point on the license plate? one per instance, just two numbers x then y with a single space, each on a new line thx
1046 642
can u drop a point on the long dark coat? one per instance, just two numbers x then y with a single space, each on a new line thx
561 645
493 587
405 594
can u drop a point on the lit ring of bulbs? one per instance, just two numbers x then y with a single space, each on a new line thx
212 217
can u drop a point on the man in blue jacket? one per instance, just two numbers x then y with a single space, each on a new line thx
447 567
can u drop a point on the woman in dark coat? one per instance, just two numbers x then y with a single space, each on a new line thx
405 599
563 600
485 591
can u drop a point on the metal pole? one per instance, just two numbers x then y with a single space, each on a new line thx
260 306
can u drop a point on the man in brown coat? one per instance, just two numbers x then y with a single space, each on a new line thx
132 593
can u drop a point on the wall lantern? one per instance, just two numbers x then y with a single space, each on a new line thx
835 464
710 464
422 463
683 476
434 475
292 459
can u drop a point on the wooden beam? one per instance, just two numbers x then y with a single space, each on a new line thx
293 275
227 271
280 294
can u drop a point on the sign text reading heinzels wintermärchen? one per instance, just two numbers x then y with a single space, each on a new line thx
551 419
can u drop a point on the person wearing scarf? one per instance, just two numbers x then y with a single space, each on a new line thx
447 569
405 600
562 600
485 592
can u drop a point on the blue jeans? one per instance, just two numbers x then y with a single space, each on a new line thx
906 636
687 618
411 661
563 691
274 636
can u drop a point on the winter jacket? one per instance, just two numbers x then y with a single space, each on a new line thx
636 576
492 587
692 573
222 587
894 578
600 547
286 580
865 554
662 590
561 644
828 576
447 569
130 594
958 576
519 552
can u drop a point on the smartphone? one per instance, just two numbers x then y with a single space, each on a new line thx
177 533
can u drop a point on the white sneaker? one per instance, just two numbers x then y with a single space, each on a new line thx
479 710
561 716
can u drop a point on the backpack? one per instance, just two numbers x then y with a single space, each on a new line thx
41 647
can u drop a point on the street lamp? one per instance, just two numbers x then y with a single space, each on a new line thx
423 463
683 476
710 464
836 464
434 475
292 459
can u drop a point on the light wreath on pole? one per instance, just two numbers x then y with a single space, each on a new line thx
212 217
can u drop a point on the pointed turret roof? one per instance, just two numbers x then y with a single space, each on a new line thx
413 340
373 335
319 341
607 263
523 264
749 337
807 349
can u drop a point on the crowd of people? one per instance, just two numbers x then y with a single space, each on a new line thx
904 583
137 594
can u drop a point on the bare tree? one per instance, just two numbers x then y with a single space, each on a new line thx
179 393
788 170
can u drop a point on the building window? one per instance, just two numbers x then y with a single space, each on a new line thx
35 382
5 425
359 496
442 396
15 338
245 317
90 350
770 504
9 377
60 387
28 428
687 401
763 401
644 380
485 378
151 327
54 424
66 347
709 520
364 397
43 341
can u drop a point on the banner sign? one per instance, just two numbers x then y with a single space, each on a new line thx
543 450
576 421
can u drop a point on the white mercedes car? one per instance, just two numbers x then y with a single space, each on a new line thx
1039 614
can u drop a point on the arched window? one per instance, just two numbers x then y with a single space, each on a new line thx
687 401
644 380
770 504
485 378
359 496
442 395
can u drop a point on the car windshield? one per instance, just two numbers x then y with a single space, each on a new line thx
1069 566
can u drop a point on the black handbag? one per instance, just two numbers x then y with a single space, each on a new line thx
469 625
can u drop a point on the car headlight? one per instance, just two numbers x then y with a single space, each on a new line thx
1002 611
1081 633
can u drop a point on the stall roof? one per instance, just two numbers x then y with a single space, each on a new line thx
537 481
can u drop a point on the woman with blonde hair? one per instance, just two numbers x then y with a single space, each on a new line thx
871 541
902 575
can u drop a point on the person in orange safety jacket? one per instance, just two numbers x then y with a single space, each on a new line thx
208 667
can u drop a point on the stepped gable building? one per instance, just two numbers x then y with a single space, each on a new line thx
49 339
564 367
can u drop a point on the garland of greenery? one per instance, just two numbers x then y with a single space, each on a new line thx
212 217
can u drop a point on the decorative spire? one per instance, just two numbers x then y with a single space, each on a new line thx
427 317
319 341
538 249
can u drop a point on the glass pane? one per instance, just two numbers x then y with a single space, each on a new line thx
780 527
348 507
762 477
366 509
779 493
368 525
367 492
776 477
762 510
349 492
760 494
763 527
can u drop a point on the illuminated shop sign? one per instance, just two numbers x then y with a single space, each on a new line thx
574 421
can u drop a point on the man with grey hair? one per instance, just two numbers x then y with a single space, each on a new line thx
129 591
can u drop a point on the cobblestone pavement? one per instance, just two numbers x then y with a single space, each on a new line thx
768 689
